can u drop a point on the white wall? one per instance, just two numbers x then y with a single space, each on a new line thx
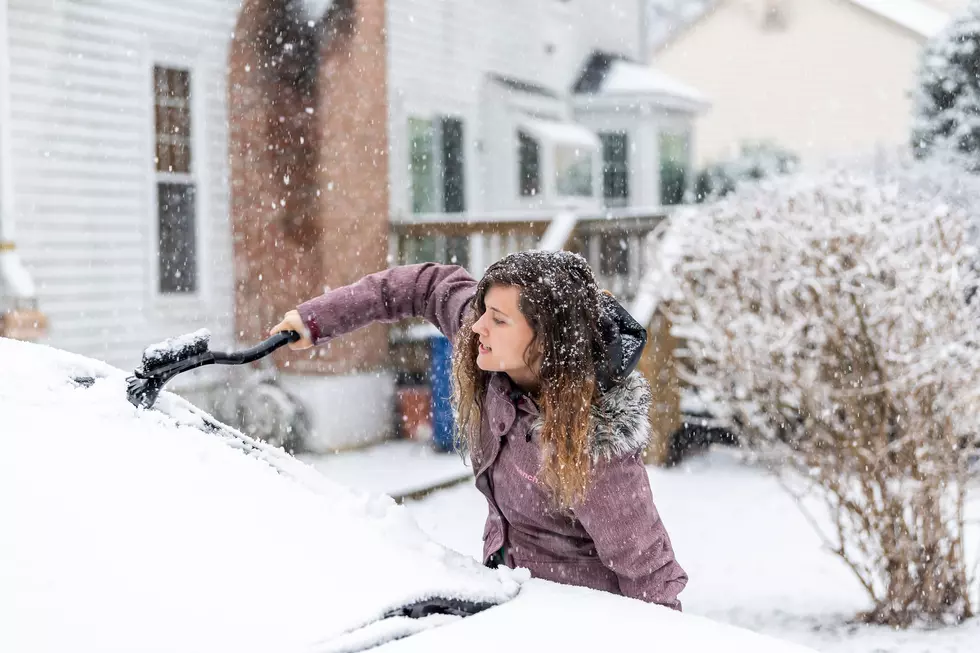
439 53
836 81
83 141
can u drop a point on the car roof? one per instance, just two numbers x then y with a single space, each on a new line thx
164 530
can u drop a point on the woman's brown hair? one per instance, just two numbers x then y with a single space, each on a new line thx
560 300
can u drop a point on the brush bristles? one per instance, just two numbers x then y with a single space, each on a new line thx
176 349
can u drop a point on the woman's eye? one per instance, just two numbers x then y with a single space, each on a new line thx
498 321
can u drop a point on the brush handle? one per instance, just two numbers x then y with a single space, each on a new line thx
260 350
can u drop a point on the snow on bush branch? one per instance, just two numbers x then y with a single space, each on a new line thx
830 319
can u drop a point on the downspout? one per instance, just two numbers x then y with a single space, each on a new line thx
19 317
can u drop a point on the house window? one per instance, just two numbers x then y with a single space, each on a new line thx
453 186
422 165
529 165
674 166
573 171
436 165
615 169
453 250
614 254
176 187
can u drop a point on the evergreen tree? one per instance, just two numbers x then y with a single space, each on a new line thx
946 117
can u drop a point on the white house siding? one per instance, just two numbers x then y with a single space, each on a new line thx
440 53
83 147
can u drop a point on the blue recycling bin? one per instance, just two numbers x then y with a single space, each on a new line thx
443 425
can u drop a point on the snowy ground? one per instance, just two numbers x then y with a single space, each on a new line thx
397 468
753 559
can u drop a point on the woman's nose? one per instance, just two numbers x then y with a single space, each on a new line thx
479 328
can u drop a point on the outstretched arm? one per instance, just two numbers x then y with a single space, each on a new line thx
439 293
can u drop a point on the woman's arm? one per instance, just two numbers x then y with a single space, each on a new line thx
630 538
439 293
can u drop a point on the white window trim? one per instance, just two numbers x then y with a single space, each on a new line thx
550 134
435 118
436 163
201 297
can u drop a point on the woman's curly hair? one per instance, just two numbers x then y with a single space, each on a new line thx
560 300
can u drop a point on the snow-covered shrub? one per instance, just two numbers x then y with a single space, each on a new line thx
756 161
832 317
946 116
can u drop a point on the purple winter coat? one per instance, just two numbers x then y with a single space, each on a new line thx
614 540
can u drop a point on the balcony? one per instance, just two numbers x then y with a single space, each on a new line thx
612 240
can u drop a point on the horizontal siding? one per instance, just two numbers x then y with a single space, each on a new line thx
83 145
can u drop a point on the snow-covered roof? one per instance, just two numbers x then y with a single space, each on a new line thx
668 18
555 131
633 78
919 17
608 77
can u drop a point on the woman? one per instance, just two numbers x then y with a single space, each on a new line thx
548 406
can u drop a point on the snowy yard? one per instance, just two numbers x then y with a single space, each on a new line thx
753 559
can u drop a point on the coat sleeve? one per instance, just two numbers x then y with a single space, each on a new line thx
439 293
630 538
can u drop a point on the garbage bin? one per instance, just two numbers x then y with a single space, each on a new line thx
443 424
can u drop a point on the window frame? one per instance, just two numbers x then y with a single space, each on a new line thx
685 135
438 176
197 176
609 168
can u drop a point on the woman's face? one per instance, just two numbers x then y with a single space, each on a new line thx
504 335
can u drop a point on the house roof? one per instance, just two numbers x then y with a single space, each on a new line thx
914 15
611 75
523 86
672 17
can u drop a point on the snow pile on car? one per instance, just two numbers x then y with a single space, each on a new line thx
132 529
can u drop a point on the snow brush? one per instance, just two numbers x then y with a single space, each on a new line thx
164 361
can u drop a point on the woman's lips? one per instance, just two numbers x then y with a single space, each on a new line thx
484 350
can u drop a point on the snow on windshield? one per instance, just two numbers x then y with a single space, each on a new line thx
133 531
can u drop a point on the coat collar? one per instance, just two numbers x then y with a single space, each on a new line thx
620 424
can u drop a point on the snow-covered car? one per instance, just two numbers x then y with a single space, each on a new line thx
127 529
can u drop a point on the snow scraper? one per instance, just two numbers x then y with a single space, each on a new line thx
163 361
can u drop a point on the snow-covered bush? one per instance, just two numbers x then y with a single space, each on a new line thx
831 317
946 117
756 161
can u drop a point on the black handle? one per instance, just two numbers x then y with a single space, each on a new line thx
260 350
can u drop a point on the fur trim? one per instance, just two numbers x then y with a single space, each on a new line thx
620 423
621 419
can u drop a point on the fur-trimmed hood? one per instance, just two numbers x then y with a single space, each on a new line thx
620 420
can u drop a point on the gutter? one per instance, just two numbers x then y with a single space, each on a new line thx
19 317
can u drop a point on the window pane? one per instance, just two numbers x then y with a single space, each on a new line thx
615 169
177 244
164 162
458 250
453 187
614 255
160 81
421 249
179 82
529 164
421 166
181 156
674 167
172 115
573 171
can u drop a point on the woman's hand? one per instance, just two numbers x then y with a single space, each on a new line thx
291 321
